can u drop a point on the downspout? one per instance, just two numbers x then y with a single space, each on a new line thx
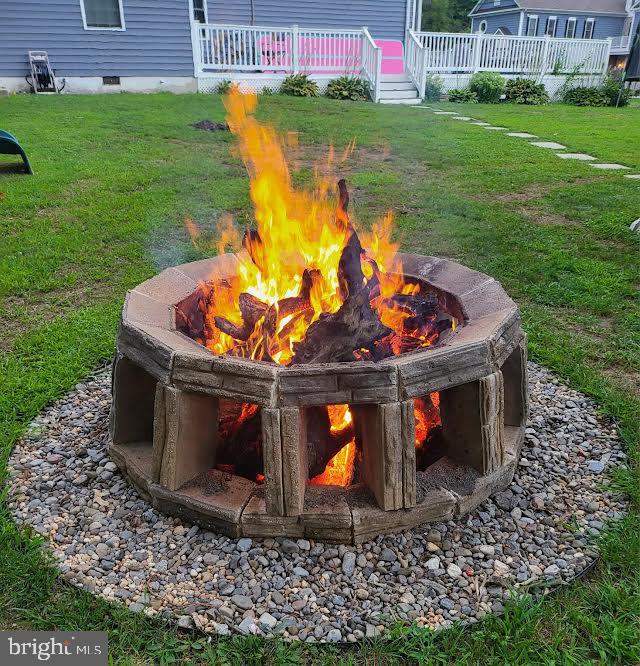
253 12
407 18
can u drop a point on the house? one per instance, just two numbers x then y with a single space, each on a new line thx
572 19
101 45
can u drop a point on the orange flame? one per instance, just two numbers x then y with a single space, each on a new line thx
427 415
297 229
339 470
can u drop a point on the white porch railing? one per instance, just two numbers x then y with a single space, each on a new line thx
371 64
466 53
621 43
290 50
415 61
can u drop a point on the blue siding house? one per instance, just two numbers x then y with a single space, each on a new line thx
99 45
573 19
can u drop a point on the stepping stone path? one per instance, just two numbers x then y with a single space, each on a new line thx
552 145
609 167
582 157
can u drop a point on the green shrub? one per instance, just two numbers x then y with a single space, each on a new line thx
526 91
433 89
585 96
488 86
299 85
348 87
223 87
462 96
615 91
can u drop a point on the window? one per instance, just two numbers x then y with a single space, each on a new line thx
552 23
587 32
482 28
200 11
496 3
102 14
532 26
570 29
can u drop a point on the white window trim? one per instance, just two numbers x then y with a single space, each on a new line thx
192 12
575 27
587 21
530 19
555 26
482 27
122 27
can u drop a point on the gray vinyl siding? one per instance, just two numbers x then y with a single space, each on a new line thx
605 26
384 18
510 21
156 42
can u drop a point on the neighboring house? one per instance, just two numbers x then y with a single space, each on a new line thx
147 44
573 19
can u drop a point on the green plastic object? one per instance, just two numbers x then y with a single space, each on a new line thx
9 146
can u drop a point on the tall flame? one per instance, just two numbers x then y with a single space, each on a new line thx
297 230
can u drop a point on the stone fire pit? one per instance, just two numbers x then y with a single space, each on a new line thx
167 388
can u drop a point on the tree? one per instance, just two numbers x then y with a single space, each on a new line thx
447 15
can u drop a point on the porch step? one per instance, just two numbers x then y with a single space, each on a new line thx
399 94
397 85
394 78
412 100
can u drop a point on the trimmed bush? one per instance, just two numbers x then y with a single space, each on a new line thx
615 91
299 85
526 91
348 87
462 96
488 86
433 89
585 96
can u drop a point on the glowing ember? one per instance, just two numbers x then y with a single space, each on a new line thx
427 415
310 285
339 470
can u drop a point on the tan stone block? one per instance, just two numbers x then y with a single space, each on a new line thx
257 522
191 433
272 453
294 458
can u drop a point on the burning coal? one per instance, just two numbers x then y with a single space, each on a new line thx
311 287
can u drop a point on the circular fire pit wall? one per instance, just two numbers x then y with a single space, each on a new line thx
167 390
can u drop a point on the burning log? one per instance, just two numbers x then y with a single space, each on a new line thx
240 438
322 442
335 336
252 311
342 217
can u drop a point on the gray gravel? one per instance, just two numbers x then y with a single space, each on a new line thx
113 543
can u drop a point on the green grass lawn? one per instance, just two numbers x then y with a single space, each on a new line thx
115 176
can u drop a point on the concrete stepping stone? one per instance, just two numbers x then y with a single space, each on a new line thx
481 124
634 176
492 127
582 157
548 144
446 113
461 118
609 167
522 135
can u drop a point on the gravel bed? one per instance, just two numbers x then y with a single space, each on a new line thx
110 541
